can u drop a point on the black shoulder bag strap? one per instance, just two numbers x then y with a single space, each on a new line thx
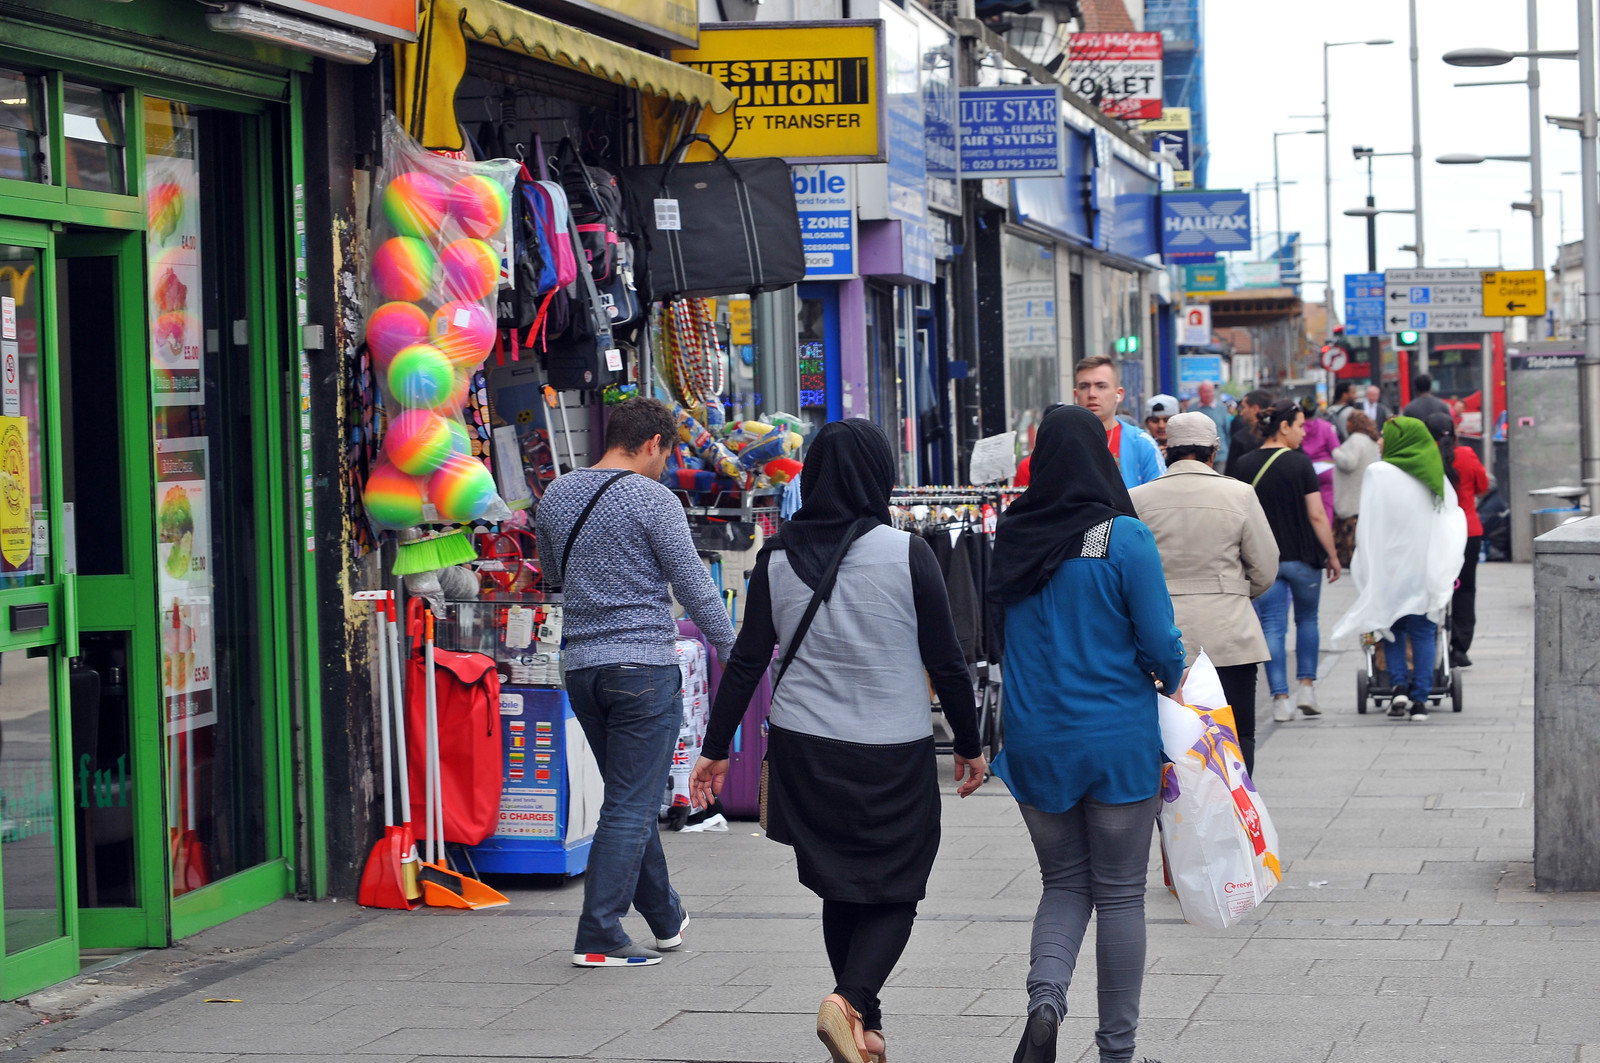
583 518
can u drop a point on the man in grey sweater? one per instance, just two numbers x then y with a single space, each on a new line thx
632 540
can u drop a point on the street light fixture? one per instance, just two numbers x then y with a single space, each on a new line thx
1466 159
1327 179
1499 57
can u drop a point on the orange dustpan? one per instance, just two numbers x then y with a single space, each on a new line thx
383 880
442 887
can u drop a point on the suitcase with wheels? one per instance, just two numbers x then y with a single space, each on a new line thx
741 791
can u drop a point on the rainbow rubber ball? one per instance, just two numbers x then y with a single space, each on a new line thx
461 490
464 331
392 328
452 404
460 441
420 376
392 499
415 204
418 442
471 269
403 268
479 205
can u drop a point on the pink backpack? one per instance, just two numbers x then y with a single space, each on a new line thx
559 218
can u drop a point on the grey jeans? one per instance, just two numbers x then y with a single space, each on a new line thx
1092 856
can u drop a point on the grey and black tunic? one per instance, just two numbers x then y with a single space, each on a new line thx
853 780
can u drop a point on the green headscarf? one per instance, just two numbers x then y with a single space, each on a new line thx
1408 444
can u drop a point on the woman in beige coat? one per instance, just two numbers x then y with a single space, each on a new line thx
1217 553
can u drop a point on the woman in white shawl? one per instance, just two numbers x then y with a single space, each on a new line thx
1408 552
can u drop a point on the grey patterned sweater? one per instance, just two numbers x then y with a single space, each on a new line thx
617 608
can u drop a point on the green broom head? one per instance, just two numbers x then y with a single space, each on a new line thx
426 555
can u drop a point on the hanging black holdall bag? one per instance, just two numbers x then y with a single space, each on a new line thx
715 228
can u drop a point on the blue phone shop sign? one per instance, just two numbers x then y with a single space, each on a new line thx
1012 131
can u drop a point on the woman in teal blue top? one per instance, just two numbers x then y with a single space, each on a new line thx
1090 632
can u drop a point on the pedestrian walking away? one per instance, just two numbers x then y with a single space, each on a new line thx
1424 402
1408 552
860 613
1097 387
1286 484
614 538
1217 553
1242 437
1077 581
1471 482
1350 462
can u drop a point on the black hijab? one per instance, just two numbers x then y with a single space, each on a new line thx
1074 485
844 493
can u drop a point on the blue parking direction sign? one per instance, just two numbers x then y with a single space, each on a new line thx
1363 304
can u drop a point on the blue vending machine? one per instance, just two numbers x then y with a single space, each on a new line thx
551 790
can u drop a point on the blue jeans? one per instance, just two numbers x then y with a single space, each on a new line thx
1302 583
631 715
1417 681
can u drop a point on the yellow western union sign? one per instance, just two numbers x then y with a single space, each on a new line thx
806 92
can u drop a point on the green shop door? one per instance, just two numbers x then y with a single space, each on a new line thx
38 931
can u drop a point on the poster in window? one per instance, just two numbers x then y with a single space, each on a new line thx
183 570
172 251
16 496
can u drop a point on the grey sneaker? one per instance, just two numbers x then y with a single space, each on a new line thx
1282 711
668 944
1399 706
630 955
1307 702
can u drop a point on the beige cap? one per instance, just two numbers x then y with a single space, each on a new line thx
1191 430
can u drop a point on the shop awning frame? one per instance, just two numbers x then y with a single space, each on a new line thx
504 25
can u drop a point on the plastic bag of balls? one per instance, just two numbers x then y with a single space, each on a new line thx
441 228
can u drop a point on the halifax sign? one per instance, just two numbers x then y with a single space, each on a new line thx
1205 222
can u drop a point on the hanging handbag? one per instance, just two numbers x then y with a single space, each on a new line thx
715 228
788 659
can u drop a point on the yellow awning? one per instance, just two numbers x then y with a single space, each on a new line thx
507 26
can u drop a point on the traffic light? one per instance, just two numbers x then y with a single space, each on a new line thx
1127 344
1408 338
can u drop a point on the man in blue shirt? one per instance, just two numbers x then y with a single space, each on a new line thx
1097 386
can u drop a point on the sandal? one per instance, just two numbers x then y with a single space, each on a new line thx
877 1057
839 1029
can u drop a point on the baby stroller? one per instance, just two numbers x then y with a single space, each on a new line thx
1373 686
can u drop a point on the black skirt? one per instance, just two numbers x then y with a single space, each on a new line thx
863 819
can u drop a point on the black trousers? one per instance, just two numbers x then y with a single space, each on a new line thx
1464 603
1239 684
864 942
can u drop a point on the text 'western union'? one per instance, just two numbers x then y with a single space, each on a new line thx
794 82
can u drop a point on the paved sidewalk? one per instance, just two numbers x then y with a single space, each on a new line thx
1406 929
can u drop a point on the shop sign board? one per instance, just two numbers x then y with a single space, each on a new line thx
1211 277
916 251
1196 332
395 19
1119 71
1436 300
1259 275
1363 304
1012 131
1513 293
1204 221
826 198
940 139
806 92
907 172
1172 119
1196 369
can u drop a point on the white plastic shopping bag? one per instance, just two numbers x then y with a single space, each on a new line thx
1218 845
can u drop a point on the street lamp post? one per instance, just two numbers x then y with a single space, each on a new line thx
1277 198
1255 215
1327 181
1499 246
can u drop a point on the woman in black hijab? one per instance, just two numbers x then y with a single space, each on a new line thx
1080 574
852 778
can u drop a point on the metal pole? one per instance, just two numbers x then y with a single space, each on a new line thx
1374 349
1535 136
1327 201
1589 376
1416 173
1486 404
1277 197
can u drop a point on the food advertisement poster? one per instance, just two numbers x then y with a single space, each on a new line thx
172 201
183 568
16 495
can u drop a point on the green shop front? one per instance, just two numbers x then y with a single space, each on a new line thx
155 677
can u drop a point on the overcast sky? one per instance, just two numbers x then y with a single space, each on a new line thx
1264 63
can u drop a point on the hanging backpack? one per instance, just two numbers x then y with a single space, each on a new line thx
467 692
596 201
532 275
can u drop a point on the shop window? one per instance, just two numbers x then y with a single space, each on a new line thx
91 123
22 428
22 128
1033 378
29 881
204 416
